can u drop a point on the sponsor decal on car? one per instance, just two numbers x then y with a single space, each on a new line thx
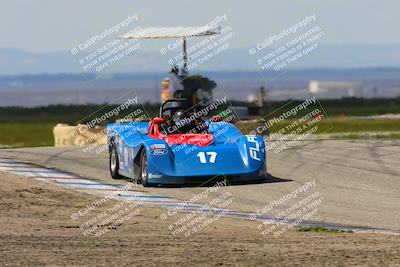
155 175
157 146
158 152
254 151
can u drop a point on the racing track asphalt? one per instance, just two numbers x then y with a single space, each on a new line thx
358 180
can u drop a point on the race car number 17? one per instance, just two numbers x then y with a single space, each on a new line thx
212 156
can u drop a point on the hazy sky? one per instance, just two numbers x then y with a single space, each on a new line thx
51 25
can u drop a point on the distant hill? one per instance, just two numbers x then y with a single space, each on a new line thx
46 89
15 61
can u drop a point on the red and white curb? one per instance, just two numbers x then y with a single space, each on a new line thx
101 188
82 184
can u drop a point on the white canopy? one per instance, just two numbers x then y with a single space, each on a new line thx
171 32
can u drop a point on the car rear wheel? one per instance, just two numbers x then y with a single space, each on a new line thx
114 163
144 175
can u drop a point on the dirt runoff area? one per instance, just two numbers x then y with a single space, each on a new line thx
37 230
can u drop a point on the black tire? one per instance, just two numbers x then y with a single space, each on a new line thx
114 163
143 174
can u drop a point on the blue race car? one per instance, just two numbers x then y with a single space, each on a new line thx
173 149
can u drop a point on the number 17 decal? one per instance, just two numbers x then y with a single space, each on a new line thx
203 158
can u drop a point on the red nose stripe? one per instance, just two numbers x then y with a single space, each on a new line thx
192 139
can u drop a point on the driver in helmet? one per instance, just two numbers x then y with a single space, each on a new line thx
183 123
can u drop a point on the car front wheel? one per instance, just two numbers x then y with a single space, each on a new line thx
114 163
144 175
